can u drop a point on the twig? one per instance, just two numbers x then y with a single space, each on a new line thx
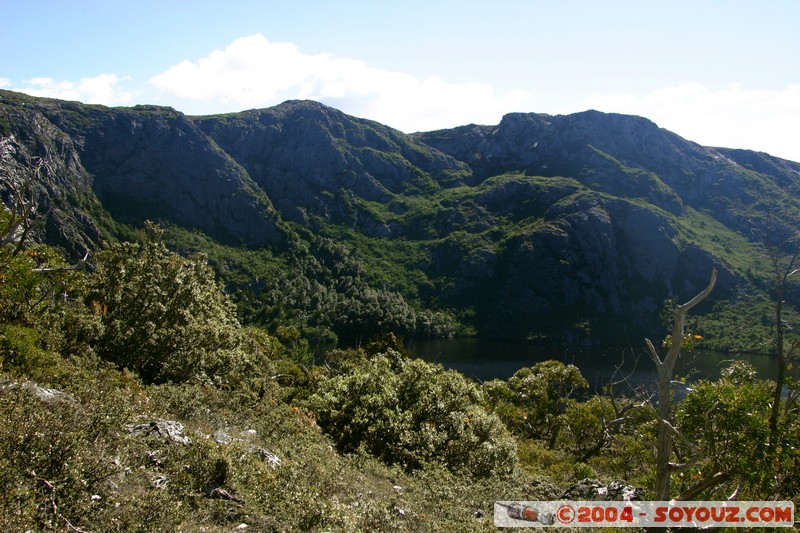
69 268
52 501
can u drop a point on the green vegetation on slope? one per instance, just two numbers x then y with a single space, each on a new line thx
557 230
137 384
132 399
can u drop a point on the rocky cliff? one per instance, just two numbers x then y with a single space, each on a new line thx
540 226
140 163
312 160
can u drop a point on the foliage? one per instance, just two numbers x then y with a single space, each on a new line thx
320 288
25 294
728 420
743 324
21 352
164 316
533 400
587 427
74 462
409 412
61 451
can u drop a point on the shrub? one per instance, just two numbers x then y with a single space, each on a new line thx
21 352
728 420
63 456
533 400
410 412
164 316
585 431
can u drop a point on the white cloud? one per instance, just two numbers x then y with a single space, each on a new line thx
103 89
4 82
734 116
253 72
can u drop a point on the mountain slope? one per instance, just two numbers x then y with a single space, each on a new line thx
570 229
310 159
622 155
145 162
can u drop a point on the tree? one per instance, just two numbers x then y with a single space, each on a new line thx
592 426
163 315
666 370
17 182
728 423
33 277
782 248
534 398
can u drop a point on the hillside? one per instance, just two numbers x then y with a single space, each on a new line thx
556 229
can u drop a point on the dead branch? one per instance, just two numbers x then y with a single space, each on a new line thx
703 485
666 368
19 183
55 270
52 502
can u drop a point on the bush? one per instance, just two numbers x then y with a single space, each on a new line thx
585 431
533 400
729 421
409 412
63 455
21 352
164 316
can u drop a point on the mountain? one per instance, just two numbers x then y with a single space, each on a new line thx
135 164
568 229
310 159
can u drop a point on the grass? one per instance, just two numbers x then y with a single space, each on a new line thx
75 465
732 248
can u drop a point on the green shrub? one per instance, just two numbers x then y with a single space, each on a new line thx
728 420
64 455
164 316
585 432
409 412
21 352
533 400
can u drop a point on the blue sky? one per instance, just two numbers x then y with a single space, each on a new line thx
721 73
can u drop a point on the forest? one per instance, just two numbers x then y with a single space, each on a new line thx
139 392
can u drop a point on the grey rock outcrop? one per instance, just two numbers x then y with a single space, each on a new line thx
133 164
169 430
43 393
594 490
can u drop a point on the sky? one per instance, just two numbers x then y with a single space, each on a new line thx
717 72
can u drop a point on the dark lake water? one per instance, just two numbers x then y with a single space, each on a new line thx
485 360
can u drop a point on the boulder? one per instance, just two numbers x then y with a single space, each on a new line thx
594 490
169 430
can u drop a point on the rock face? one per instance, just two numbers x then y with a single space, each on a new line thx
597 257
155 163
137 164
621 155
313 161
537 225
169 430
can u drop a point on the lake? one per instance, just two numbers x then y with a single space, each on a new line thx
485 360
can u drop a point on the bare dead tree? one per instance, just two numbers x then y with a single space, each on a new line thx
783 267
780 241
18 185
21 210
666 370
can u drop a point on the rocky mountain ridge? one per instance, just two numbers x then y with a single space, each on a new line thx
539 226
